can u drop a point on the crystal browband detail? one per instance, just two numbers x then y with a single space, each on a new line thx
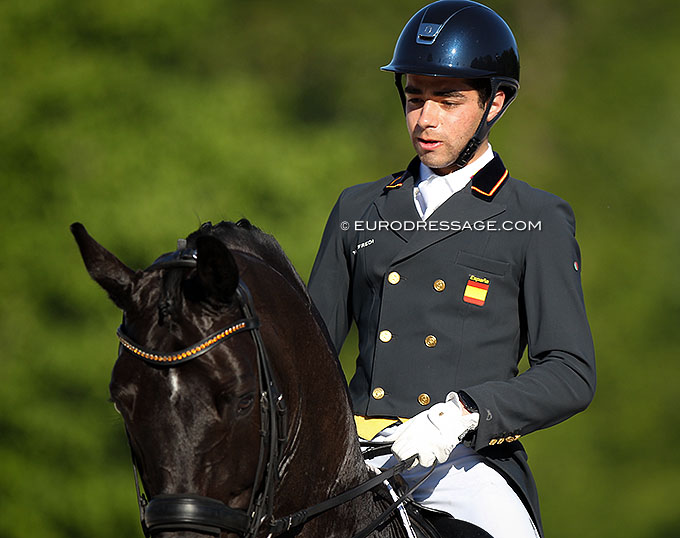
188 353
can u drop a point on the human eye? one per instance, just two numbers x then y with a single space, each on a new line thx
449 103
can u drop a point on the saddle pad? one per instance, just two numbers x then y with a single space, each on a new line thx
369 427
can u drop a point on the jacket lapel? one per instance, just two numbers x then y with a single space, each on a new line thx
458 213
475 203
396 206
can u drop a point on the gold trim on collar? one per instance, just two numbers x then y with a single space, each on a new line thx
495 187
395 183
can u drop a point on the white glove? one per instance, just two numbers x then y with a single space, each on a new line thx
434 433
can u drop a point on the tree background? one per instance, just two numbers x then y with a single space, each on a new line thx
143 119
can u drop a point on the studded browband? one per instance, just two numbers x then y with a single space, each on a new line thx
191 352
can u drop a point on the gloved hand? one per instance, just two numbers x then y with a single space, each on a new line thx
434 433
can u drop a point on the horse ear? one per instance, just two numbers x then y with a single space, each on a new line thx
109 272
217 269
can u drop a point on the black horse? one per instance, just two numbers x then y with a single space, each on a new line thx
244 440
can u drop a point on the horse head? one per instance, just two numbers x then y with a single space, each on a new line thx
213 384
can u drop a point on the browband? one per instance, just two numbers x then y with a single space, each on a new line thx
188 353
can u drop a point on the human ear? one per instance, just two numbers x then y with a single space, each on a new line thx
496 105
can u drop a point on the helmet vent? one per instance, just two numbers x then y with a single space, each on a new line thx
428 32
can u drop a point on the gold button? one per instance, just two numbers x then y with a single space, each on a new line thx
439 285
394 277
424 399
378 393
385 336
430 340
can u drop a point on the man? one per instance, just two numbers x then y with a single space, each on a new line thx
450 270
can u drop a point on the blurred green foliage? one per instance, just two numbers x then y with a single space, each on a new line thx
143 119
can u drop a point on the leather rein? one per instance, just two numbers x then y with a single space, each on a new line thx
182 512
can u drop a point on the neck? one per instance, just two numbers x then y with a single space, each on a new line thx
333 457
483 148
322 458
482 158
324 446
458 165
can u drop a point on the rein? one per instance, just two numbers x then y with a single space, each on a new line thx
172 512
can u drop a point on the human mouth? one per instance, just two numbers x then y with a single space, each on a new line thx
428 145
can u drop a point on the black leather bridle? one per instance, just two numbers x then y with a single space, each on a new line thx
172 512
191 512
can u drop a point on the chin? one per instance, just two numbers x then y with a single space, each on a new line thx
435 164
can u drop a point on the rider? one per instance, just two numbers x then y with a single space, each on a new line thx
450 269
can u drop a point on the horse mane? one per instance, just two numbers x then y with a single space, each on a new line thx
245 237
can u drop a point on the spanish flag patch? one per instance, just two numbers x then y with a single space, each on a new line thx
476 290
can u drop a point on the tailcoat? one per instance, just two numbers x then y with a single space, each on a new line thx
452 303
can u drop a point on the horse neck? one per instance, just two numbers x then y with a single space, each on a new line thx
324 476
323 457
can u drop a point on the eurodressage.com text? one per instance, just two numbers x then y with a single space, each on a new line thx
442 225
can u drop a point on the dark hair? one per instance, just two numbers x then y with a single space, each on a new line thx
483 88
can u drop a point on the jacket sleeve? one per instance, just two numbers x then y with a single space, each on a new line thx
329 281
561 378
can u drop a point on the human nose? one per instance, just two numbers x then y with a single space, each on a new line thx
429 115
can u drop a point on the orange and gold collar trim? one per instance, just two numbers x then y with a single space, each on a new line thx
489 180
485 184
396 182
495 187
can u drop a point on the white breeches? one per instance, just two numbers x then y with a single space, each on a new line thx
467 488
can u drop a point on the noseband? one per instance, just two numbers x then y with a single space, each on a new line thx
194 512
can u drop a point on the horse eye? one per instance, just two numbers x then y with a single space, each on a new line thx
245 403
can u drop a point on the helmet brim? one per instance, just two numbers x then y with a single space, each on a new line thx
445 71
